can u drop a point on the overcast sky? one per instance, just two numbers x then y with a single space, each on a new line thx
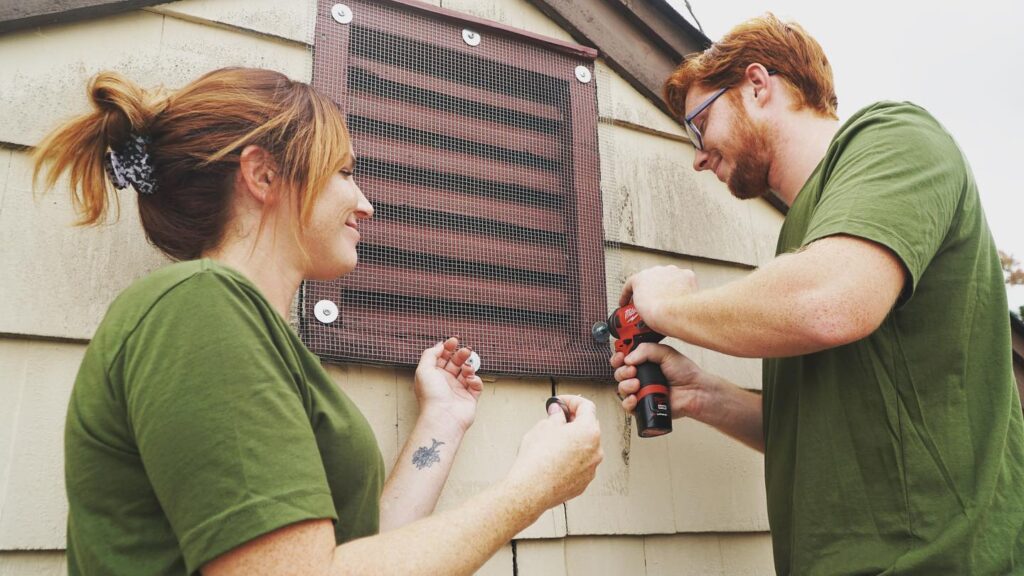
958 60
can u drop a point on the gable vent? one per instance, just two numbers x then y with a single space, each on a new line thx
481 162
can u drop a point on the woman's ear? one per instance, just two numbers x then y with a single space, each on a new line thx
257 174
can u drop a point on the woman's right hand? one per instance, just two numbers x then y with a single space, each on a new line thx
558 459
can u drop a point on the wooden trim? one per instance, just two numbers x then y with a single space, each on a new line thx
633 42
480 24
21 14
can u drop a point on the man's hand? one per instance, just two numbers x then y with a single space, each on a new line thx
694 393
689 385
651 289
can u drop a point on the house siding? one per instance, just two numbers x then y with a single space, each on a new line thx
688 503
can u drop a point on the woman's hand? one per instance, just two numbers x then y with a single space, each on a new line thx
558 459
446 386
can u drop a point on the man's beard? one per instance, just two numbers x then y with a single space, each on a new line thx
749 178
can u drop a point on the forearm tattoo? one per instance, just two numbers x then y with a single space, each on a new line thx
426 457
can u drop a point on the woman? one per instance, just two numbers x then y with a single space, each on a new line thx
202 436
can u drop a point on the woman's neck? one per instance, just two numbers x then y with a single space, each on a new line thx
265 265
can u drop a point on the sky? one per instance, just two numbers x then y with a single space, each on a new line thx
960 61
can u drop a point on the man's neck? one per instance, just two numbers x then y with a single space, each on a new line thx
801 142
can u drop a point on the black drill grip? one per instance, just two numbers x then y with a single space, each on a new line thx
653 414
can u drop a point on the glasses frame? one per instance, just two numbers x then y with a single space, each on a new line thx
696 138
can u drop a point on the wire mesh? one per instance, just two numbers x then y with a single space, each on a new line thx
478 148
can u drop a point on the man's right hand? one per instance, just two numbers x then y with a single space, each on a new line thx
691 389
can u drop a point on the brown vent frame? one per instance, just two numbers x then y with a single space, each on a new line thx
556 341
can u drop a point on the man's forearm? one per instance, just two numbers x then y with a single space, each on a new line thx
736 412
769 313
836 291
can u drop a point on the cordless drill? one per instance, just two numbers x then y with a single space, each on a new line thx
653 416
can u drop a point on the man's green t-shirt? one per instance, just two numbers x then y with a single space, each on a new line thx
198 422
903 452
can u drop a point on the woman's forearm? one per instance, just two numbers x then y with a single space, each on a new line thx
414 486
467 535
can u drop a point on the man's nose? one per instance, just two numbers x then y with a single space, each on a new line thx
701 160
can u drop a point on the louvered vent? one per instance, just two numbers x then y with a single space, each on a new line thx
477 146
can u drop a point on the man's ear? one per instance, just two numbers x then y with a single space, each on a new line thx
760 81
257 174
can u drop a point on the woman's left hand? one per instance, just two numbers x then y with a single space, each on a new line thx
446 385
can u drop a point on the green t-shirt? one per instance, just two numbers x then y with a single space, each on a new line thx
903 452
199 421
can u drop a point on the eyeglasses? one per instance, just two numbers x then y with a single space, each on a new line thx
691 129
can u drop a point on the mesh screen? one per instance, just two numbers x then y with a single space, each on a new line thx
478 148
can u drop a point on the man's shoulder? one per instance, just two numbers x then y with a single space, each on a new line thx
891 116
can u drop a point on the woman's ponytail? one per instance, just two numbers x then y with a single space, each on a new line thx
121 111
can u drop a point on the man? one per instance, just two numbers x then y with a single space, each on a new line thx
890 423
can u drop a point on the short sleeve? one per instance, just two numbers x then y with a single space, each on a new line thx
219 417
897 180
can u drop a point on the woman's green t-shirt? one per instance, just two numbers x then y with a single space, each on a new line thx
198 422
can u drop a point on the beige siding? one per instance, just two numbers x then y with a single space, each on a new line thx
672 555
292 20
587 556
688 503
62 278
765 222
709 555
35 386
665 206
692 480
618 101
57 62
541 557
48 563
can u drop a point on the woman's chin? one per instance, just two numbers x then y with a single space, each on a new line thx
334 272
